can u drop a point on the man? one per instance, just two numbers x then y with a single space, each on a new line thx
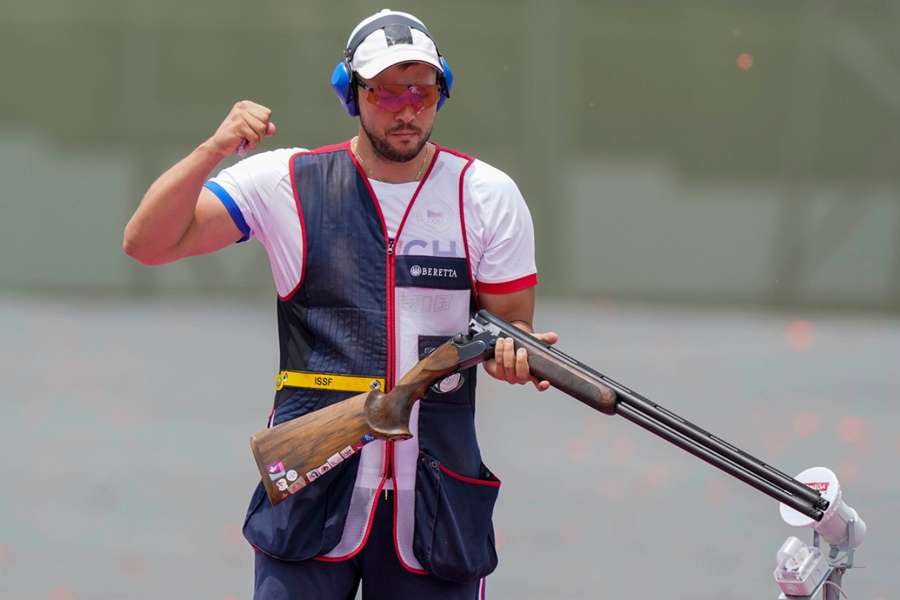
378 248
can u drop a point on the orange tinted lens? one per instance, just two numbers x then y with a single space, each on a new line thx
393 97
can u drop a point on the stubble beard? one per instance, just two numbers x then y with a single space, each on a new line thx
384 150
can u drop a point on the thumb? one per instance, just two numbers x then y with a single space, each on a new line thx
550 337
271 129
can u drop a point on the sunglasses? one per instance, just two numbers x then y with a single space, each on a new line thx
394 97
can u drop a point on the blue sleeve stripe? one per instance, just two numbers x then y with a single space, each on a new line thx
232 208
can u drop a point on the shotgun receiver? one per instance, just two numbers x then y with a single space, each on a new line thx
293 454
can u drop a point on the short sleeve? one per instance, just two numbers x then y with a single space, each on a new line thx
258 194
245 187
501 238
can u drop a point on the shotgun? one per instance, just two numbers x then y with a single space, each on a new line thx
293 454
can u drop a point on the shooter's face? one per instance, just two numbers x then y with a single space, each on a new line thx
394 110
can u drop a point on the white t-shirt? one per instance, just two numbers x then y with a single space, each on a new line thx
257 193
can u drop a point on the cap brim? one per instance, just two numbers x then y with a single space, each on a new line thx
395 57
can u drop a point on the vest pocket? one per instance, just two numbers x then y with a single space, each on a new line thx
309 523
454 535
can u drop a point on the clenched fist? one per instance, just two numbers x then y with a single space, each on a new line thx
247 123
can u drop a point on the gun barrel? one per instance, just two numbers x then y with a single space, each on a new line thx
767 487
716 444
679 431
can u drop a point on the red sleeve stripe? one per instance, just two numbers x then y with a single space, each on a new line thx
508 287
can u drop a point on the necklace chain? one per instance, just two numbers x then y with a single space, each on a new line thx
354 146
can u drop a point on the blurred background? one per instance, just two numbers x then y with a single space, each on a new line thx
716 200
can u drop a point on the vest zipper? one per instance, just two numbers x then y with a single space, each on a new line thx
388 472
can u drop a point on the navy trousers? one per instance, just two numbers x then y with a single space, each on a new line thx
376 567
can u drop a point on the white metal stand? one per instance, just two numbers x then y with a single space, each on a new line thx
839 560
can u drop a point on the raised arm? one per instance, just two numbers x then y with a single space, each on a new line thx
178 217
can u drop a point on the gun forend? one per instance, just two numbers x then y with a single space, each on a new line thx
545 362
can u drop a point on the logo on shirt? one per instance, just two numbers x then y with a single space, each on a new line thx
420 271
434 218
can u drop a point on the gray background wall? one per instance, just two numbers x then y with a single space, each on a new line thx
655 167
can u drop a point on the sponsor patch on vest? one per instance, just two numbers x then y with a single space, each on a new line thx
435 272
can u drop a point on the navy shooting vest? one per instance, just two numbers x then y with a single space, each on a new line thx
369 306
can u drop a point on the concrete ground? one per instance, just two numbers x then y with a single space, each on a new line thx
125 469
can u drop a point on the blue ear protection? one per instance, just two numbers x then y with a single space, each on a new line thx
343 80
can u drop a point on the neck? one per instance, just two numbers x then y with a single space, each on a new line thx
389 171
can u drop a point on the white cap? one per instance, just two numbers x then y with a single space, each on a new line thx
392 44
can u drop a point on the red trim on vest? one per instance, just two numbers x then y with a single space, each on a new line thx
362 544
456 152
508 287
389 309
390 328
415 195
412 570
346 147
462 213
330 148
488 482
297 203
462 221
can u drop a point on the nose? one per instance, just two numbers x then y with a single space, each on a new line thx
407 114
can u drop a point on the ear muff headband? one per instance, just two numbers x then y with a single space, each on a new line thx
342 77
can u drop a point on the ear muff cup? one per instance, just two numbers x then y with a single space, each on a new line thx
342 84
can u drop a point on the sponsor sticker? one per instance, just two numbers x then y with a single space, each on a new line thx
335 459
312 475
296 487
281 484
347 452
275 470
292 475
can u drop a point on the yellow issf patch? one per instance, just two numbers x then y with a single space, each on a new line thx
328 381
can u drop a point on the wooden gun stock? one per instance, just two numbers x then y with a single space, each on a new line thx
292 454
